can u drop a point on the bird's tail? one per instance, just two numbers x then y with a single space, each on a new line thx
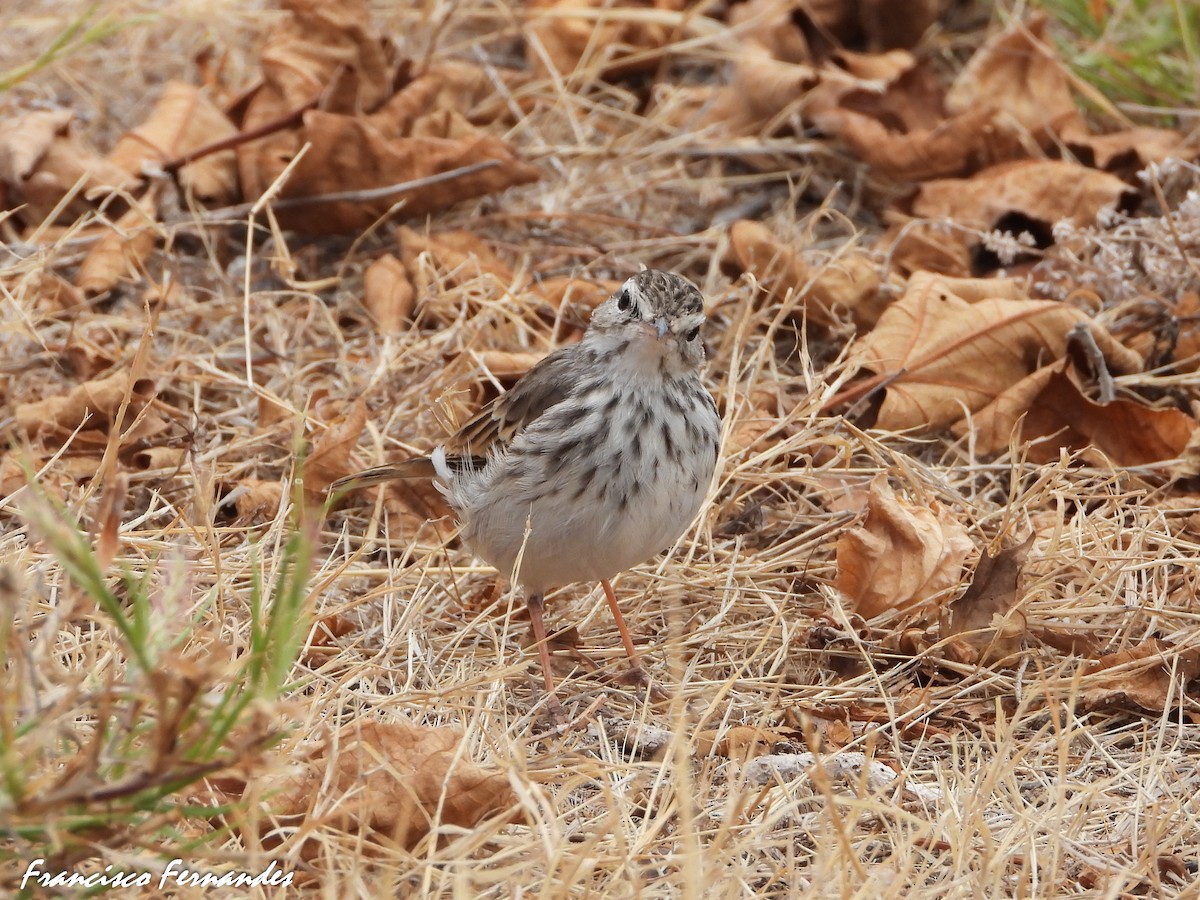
419 467
439 466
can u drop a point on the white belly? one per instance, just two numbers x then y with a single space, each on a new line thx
602 505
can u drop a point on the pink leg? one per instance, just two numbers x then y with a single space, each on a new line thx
535 605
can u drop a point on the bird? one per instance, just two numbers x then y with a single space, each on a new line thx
597 459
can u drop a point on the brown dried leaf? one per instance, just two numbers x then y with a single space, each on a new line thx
1017 72
1126 152
122 251
901 554
576 291
1145 676
258 500
508 365
184 119
96 401
850 284
940 354
437 263
108 519
742 742
397 779
54 294
614 44
349 153
148 425
1049 413
957 146
388 294
412 502
41 160
1041 191
984 618
914 246
878 24
322 639
159 458
752 423
894 118
772 25
330 458
760 90
412 128
323 48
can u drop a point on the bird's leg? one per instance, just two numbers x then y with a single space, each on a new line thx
630 650
535 605
636 674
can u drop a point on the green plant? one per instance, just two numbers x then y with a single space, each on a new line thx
106 757
80 32
1138 51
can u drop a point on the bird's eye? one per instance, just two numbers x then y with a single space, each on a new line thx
693 334
624 300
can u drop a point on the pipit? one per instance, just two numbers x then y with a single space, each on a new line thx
596 460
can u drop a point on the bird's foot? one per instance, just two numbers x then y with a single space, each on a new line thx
638 676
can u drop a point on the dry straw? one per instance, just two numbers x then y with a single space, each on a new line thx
891 776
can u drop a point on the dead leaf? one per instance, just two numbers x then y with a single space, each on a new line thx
752 422
902 553
897 122
438 262
350 154
508 365
399 780
322 639
258 500
1018 74
1145 675
877 24
122 251
1029 195
913 245
984 618
574 291
609 46
330 458
321 48
449 258
802 30
760 91
773 26
146 427
939 355
41 160
1048 413
742 742
53 294
60 479
850 285
388 294
107 529
376 126
94 401
1126 152
160 458
836 734
957 146
184 119
412 503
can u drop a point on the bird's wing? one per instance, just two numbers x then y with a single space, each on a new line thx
549 381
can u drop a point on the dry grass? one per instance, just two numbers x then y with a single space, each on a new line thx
938 780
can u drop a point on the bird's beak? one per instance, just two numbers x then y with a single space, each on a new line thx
661 328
